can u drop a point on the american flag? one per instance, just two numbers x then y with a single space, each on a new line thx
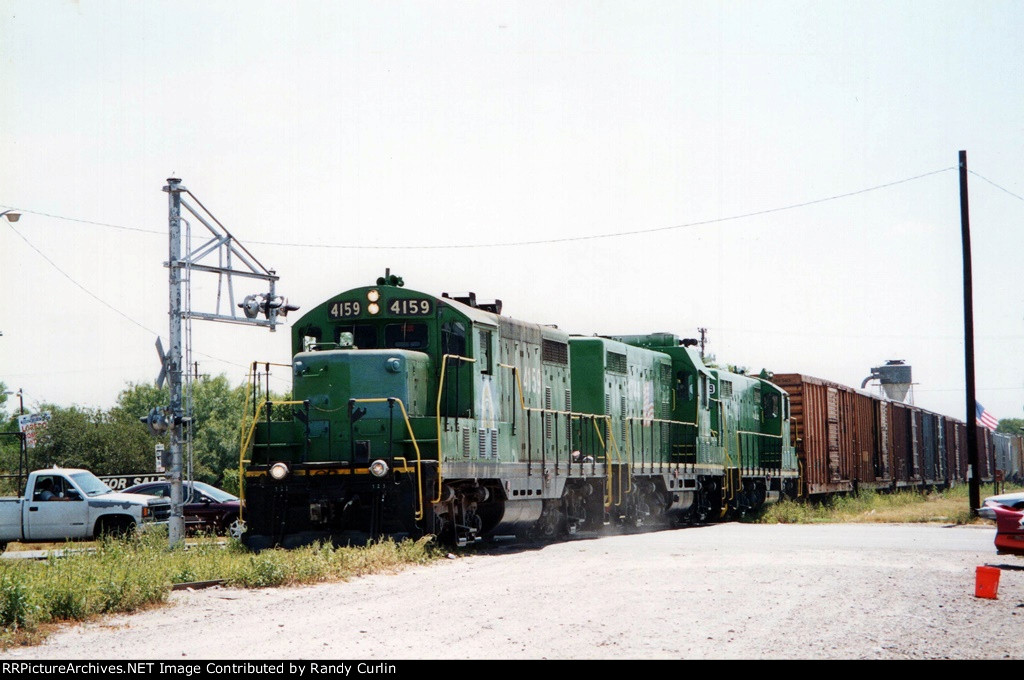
985 418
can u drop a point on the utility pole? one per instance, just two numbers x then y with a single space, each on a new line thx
703 339
972 402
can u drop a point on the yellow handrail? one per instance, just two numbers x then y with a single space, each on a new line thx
604 445
801 482
760 434
519 384
619 459
437 411
246 442
415 445
726 477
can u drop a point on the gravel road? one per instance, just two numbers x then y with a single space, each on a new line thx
728 591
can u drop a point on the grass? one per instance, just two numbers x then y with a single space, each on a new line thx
950 506
116 576
131 574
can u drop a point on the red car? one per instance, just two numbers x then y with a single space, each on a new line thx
206 508
1009 532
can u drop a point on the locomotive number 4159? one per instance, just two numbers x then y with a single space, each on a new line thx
410 307
341 310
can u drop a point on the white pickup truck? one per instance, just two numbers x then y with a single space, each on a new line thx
71 504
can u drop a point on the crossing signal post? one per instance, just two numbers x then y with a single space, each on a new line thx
217 255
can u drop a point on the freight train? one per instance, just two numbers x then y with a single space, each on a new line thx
849 439
413 414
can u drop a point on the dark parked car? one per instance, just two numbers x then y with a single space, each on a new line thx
206 508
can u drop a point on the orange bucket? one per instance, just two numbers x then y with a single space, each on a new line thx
986 582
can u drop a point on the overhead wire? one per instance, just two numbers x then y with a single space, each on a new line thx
110 306
986 179
566 239
77 284
587 237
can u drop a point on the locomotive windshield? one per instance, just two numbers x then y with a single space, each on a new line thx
364 335
396 336
405 335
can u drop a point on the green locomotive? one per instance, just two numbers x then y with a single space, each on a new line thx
415 414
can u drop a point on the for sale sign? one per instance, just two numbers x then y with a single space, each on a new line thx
122 482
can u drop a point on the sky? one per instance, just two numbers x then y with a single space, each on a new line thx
781 173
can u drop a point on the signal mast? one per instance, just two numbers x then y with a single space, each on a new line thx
176 418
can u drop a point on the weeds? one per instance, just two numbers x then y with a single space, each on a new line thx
124 575
950 506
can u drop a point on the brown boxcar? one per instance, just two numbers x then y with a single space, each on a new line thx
904 441
824 432
953 450
870 441
847 439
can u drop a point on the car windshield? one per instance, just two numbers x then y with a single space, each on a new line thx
216 494
90 484
1008 499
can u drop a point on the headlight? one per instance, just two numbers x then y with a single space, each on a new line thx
146 512
372 295
378 468
279 471
373 308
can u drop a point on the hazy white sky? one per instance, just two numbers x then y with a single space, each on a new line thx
321 133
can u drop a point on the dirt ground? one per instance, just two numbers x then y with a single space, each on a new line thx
729 591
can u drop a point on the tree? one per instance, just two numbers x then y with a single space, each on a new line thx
91 439
1011 426
117 442
218 417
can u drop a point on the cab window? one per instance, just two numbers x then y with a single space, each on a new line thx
405 336
484 357
453 338
364 335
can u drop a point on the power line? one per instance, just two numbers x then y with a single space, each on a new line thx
986 179
75 219
80 286
107 304
567 239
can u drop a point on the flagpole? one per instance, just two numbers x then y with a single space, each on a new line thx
972 400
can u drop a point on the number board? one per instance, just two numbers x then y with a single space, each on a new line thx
410 307
345 309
